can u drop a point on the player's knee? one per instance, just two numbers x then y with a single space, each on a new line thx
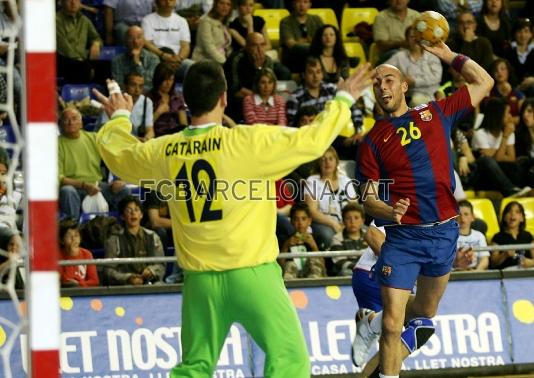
417 333
391 326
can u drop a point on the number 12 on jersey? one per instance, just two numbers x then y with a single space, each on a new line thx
196 187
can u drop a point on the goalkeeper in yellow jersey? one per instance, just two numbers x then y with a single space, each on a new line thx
219 184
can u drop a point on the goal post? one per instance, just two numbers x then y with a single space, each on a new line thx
41 186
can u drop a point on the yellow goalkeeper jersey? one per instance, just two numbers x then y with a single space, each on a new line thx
219 182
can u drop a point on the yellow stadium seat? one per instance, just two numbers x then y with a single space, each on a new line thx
272 19
355 50
528 205
352 16
489 194
484 209
258 5
368 123
327 15
374 53
470 194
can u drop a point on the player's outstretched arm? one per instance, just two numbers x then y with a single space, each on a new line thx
479 81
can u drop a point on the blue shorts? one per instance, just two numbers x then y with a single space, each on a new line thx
410 251
366 290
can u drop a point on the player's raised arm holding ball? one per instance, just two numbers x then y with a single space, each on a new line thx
408 182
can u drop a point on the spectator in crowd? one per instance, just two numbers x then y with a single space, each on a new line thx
502 73
513 223
466 258
120 15
465 41
69 242
79 167
521 55
11 243
296 33
314 91
421 69
326 194
524 145
302 241
245 23
243 68
133 241
389 27
264 105
169 107
78 42
494 142
164 30
352 237
494 24
450 9
214 40
327 46
464 163
9 202
135 59
298 177
143 108
192 10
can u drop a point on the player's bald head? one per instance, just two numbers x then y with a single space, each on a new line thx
386 69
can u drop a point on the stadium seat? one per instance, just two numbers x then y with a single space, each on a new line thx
373 54
110 52
368 123
327 15
470 194
352 16
355 50
528 204
484 209
272 19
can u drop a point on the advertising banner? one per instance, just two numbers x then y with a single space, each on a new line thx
127 336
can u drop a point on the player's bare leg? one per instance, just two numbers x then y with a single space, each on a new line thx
394 302
427 297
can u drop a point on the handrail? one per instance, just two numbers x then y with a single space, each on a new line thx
285 255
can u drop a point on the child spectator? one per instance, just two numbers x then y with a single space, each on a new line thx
69 242
133 241
352 237
169 108
521 55
11 243
264 105
466 258
302 241
246 23
512 232
326 194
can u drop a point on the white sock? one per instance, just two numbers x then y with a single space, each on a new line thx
387 376
376 323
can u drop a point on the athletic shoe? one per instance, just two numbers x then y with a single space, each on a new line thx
365 337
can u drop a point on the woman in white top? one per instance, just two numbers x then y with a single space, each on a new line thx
326 193
494 141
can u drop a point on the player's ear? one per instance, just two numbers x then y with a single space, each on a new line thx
404 86
223 100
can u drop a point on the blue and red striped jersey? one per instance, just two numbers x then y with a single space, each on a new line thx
414 151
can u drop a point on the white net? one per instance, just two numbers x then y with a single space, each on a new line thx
13 319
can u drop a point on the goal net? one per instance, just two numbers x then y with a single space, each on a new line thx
28 190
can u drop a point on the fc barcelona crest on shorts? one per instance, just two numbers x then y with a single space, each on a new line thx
386 270
426 115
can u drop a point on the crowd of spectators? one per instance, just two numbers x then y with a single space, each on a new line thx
158 40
